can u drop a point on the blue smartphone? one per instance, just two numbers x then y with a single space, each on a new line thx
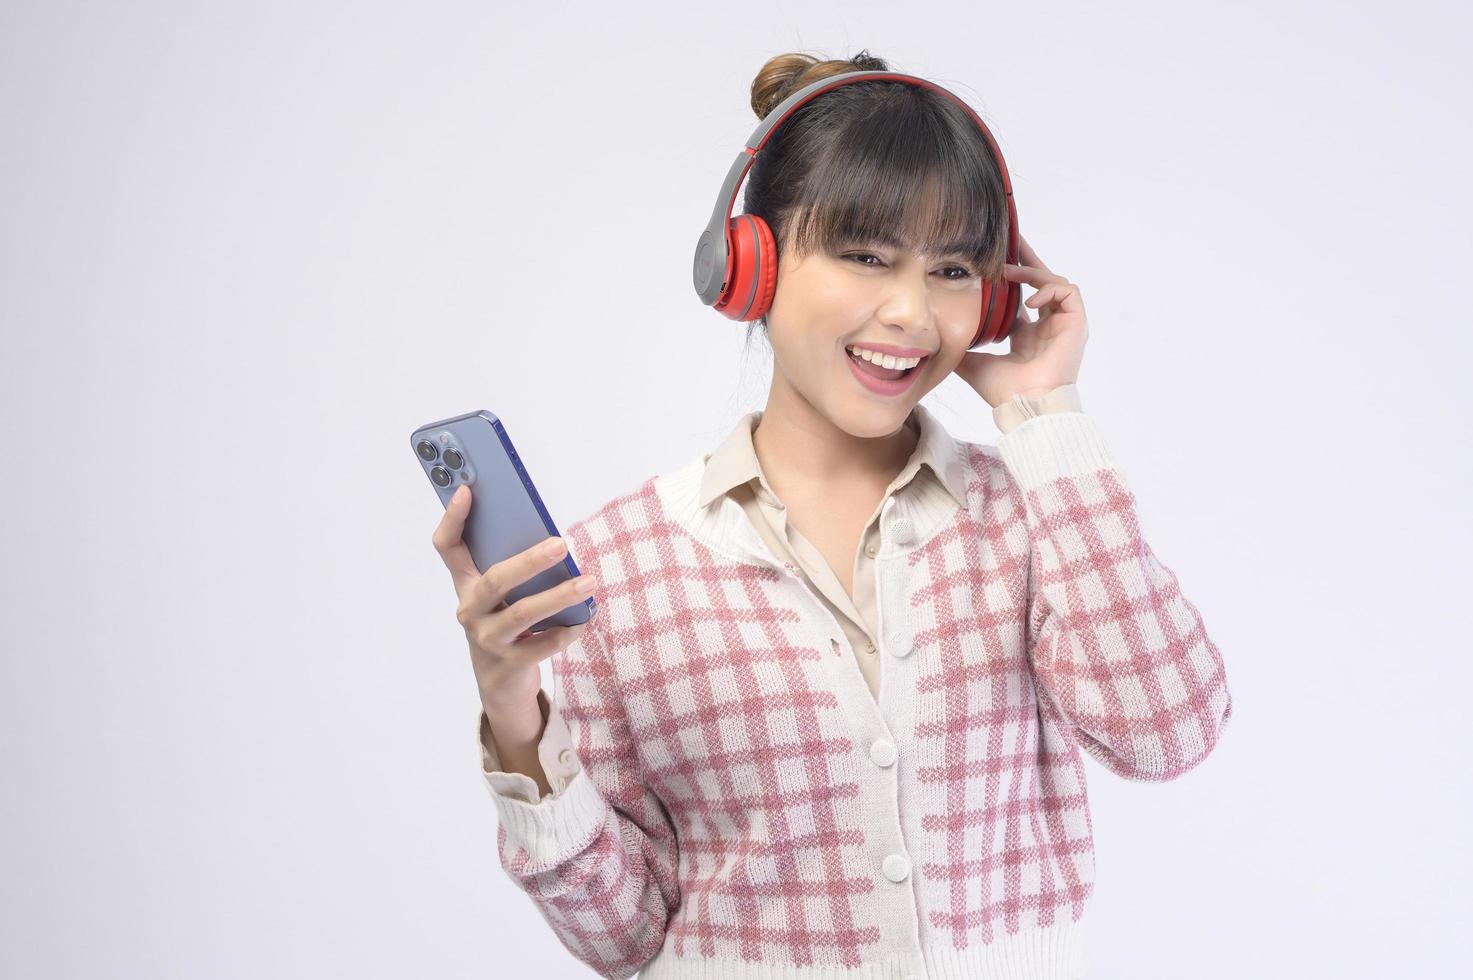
507 515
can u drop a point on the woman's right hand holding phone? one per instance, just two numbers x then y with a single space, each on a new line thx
504 654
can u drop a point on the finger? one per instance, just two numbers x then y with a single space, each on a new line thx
449 540
513 621
1064 296
1022 314
1044 295
490 588
1031 274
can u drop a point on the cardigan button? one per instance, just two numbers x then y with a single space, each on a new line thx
882 753
898 646
897 867
565 756
903 530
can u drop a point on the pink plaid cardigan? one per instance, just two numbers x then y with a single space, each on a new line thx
738 805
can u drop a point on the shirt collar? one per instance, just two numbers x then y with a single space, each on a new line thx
735 460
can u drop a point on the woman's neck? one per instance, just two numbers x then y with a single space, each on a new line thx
804 455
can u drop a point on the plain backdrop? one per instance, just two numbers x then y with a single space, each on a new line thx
245 249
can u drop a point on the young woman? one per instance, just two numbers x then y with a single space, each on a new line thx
826 720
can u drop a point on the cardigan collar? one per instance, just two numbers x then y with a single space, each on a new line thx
735 460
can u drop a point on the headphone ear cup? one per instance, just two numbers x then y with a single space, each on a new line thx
979 339
753 281
992 326
999 311
1008 316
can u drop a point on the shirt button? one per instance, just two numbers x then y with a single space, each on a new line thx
869 646
882 753
869 549
897 867
565 756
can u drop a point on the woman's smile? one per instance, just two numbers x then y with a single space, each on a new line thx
887 382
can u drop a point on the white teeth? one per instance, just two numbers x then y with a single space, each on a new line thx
884 360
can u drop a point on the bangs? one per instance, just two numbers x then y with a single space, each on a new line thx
911 175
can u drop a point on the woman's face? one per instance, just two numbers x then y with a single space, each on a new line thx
862 294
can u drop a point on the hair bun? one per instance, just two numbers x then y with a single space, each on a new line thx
784 74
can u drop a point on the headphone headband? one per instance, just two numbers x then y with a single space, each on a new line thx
712 268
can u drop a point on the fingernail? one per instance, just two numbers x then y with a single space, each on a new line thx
553 547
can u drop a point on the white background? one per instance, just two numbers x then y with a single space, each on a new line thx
246 249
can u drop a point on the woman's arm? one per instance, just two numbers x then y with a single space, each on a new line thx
598 856
513 752
1114 643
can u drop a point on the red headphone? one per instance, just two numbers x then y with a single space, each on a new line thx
745 252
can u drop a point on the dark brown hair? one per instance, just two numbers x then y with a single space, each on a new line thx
874 162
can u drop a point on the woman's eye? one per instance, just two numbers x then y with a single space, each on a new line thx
861 256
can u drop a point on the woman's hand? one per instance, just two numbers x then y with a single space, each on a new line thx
504 653
1042 354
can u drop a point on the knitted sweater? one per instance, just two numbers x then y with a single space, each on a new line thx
735 463
741 807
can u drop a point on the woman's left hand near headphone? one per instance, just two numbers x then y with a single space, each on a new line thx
1042 354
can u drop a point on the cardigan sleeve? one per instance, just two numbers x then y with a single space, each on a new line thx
598 856
1114 643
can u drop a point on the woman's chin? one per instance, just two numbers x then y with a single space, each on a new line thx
868 419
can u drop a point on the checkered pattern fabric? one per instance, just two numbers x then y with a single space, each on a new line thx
744 808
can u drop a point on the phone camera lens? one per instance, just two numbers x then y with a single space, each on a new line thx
426 450
452 459
440 475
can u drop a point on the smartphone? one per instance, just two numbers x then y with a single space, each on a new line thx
507 515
